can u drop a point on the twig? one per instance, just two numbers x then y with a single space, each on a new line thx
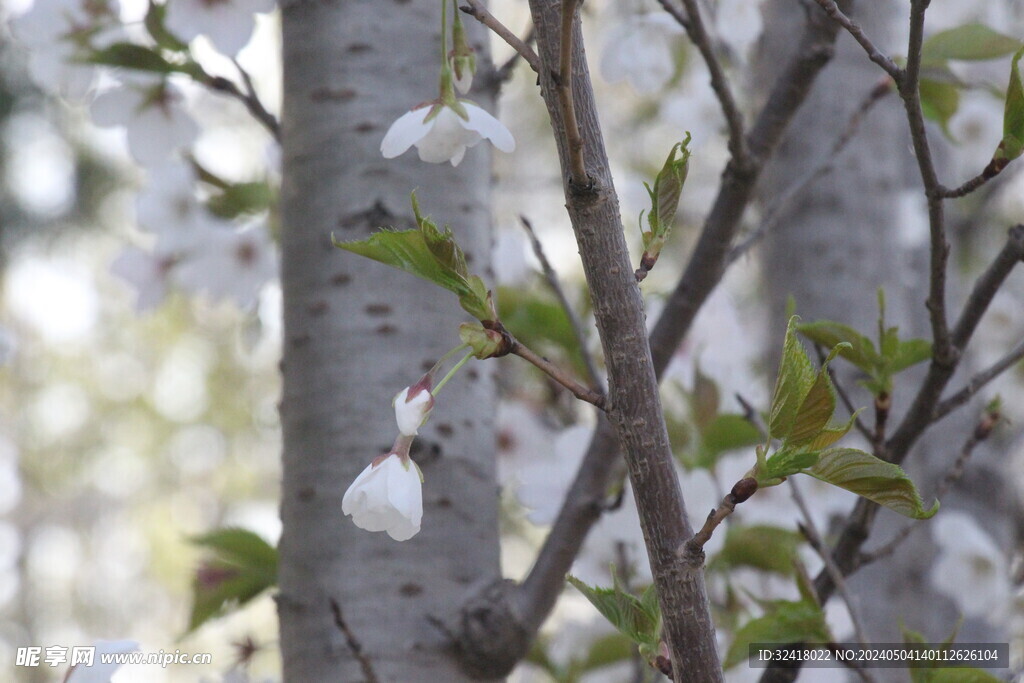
775 212
504 72
990 172
854 29
353 644
556 373
692 551
694 27
975 383
810 531
751 416
249 98
556 287
574 141
476 9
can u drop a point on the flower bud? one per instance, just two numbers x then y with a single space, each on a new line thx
412 407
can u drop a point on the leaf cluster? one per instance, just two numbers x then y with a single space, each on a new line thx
242 565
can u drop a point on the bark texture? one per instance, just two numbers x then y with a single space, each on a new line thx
354 605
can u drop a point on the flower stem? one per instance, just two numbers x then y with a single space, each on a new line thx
451 373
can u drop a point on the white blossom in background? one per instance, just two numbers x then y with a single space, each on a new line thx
522 437
156 123
387 496
227 23
411 413
147 271
168 207
971 567
544 478
231 264
640 49
441 133
100 671
51 30
615 538
738 23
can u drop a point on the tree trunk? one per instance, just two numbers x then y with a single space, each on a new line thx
355 605
849 234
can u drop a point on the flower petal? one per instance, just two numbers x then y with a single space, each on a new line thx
447 139
489 127
406 131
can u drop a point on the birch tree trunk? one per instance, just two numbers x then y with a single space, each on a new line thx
354 605
850 234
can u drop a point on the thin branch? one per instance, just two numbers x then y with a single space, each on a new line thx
990 172
854 29
556 287
775 212
249 98
476 9
694 27
692 551
504 72
810 531
975 383
574 141
556 373
353 644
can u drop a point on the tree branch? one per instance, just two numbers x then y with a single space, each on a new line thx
854 29
564 85
556 287
694 27
692 552
556 373
476 9
975 383
249 98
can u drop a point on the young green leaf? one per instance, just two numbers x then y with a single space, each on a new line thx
704 399
910 352
864 474
796 375
783 622
764 547
668 187
1012 143
816 409
861 352
973 42
940 101
132 56
243 566
727 433
784 463
632 616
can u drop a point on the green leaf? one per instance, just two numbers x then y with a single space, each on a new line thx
816 410
796 375
864 474
861 352
783 622
1012 143
829 435
668 187
238 199
132 56
784 463
704 400
727 433
630 615
939 102
242 566
154 23
909 353
605 651
428 254
764 547
973 42
540 322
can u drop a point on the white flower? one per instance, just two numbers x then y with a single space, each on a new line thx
387 496
232 264
412 412
227 23
100 671
146 271
971 568
442 134
156 123
639 50
545 478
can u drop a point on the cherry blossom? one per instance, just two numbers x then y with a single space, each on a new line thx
640 50
387 496
442 132
971 569
156 123
227 23
147 272
412 411
232 264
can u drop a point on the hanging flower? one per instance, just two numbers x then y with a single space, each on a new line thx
387 496
412 407
227 23
442 132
